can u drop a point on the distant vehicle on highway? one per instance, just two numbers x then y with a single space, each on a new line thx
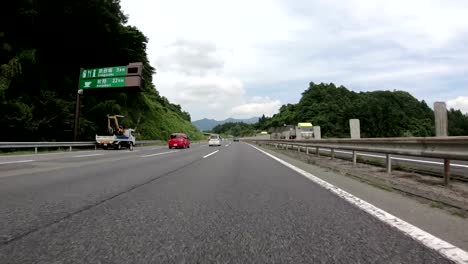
215 140
179 140
236 139
119 136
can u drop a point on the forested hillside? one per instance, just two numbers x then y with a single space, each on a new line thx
237 129
43 45
208 124
382 113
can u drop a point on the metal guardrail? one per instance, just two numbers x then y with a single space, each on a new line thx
446 148
70 145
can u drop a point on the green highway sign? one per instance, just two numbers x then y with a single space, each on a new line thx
103 72
115 82
129 76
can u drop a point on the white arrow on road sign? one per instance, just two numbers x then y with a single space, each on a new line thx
87 84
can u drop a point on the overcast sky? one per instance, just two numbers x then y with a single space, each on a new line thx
245 58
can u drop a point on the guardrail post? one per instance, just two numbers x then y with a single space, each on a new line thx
70 148
307 150
389 163
332 153
317 151
446 171
354 157
298 148
35 150
95 147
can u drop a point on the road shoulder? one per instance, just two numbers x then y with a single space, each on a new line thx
438 222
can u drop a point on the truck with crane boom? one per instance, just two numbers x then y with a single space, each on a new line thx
118 137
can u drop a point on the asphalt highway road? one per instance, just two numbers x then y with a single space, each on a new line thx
229 204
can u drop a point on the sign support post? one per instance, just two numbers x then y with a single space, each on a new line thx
77 114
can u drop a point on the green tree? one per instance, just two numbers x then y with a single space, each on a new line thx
382 113
235 129
39 67
457 123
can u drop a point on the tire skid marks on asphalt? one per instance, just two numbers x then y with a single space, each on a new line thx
446 249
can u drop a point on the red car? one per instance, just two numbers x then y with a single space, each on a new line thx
179 140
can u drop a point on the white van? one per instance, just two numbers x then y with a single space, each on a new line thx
215 140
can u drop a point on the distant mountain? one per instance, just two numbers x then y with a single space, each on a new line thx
208 124
205 124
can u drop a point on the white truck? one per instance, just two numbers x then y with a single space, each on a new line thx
119 137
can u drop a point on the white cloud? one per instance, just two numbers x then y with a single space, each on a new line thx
202 47
405 72
190 58
206 96
460 103
191 74
257 107
208 90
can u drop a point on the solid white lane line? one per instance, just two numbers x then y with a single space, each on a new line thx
157 154
16 161
443 247
402 159
88 155
206 156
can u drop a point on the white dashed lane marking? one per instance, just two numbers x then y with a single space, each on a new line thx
16 161
157 154
206 156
